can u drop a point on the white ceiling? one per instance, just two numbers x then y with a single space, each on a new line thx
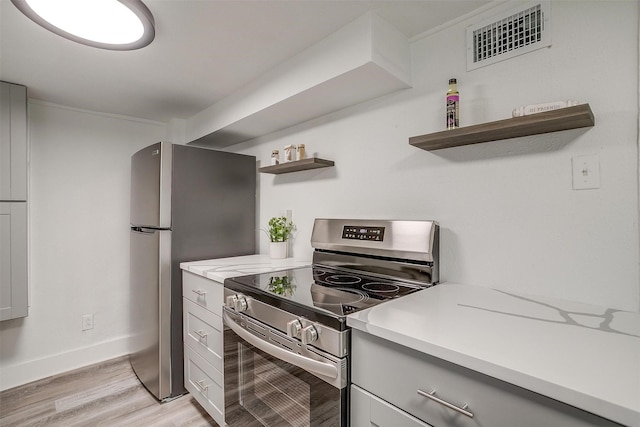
204 50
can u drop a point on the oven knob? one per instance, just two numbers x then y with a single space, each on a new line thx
231 301
293 328
309 335
241 304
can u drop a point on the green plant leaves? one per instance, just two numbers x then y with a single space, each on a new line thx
280 229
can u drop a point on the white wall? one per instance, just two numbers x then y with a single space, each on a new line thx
79 242
510 218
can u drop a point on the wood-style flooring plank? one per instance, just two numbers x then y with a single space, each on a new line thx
105 394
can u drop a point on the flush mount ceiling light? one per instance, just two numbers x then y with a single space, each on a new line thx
106 24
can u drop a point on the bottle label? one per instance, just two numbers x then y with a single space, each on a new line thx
453 115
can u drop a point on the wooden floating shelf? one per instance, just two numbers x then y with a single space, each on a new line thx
298 165
567 118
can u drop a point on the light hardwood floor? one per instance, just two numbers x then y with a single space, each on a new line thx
105 394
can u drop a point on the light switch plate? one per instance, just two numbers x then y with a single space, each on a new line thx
586 172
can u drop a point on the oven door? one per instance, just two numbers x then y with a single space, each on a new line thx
271 379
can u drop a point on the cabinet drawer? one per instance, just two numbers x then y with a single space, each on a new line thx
204 382
367 410
204 292
202 331
396 373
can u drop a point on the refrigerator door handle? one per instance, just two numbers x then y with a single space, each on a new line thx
143 230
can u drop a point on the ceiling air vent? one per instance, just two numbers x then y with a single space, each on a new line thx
510 34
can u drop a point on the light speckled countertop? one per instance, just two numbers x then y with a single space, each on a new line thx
222 268
583 355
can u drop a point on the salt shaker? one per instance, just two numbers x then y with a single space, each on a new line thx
300 153
275 157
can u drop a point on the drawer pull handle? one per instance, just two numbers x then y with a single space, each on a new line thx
201 385
200 292
433 397
201 334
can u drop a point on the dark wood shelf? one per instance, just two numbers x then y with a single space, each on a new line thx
567 118
298 165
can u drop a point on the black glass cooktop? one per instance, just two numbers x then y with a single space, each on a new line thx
322 290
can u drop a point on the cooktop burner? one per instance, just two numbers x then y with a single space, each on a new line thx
326 291
370 286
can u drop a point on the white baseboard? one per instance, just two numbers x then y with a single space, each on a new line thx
32 370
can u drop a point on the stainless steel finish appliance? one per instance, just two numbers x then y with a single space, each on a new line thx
187 203
286 341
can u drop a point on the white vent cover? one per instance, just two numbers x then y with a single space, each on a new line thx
510 34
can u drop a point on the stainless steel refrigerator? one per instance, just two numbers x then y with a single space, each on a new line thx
187 204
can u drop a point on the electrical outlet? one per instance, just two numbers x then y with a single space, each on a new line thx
87 322
586 172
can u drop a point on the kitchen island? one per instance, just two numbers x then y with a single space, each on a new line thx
585 356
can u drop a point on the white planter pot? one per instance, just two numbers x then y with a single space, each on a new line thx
278 250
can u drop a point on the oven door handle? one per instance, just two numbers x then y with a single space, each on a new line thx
305 363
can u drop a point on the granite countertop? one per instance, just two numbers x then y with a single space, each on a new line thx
222 268
583 355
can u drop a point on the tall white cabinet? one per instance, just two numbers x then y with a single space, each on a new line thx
13 201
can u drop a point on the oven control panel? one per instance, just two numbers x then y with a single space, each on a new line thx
363 233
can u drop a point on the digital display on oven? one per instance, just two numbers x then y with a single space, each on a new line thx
363 233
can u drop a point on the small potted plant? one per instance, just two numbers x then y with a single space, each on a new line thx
279 231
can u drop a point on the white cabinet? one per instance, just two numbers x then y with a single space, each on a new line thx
202 335
401 376
13 142
13 201
13 260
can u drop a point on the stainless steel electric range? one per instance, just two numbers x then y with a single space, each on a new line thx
286 340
